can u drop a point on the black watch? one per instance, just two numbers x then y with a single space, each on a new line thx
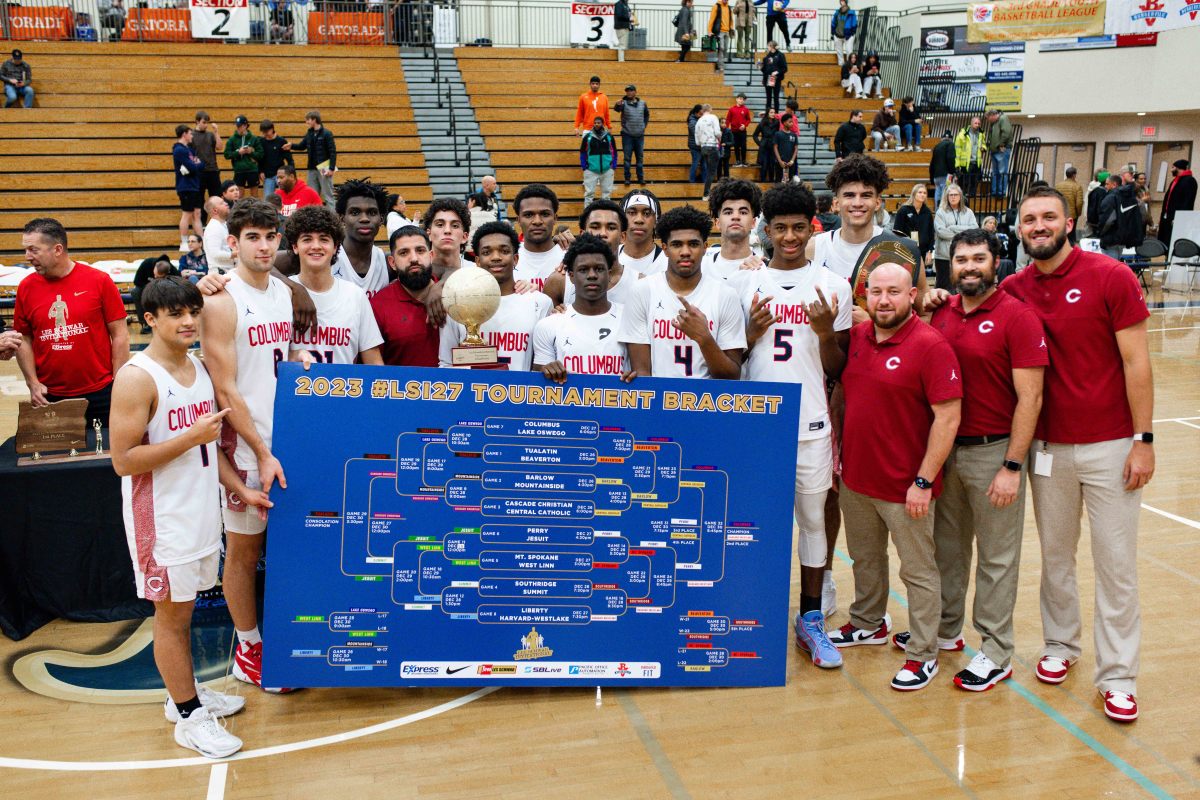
1012 466
1148 438
922 483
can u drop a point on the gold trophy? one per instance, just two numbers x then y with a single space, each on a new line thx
43 433
471 296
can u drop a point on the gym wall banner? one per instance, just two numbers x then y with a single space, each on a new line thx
220 19
1020 20
1145 16
592 23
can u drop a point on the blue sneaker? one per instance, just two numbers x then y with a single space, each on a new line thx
812 639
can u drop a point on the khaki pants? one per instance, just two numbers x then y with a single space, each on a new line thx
965 516
867 524
1089 475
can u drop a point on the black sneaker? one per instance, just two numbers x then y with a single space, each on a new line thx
914 675
981 674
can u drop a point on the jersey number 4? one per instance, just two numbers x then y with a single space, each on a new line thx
683 355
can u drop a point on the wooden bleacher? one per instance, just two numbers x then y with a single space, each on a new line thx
100 160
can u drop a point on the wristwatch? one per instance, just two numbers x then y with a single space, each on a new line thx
1012 466
922 483
1148 438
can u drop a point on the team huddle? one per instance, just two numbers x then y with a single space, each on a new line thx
921 430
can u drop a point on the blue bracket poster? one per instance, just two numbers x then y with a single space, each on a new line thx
455 527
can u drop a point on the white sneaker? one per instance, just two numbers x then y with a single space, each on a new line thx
220 704
915 675
183 247
829 605
981 674
204 734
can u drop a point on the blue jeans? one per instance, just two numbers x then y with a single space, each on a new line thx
631 145
910 134
694 172
11 93
270 184
1000 173
939 189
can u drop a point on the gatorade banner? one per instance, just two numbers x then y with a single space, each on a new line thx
48 23
158 25
1146 16
1019 20
345 27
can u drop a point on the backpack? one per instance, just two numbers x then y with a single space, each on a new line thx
1124 224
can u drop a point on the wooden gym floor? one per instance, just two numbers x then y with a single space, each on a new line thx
838 733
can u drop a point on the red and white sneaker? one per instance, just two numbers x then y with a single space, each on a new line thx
849 636
1052 669
1120 706
247 666
900 640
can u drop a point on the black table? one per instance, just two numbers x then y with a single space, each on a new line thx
62 545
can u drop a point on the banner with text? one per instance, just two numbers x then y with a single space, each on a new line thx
220 19
1019 20
802 24
47 23
157 25
345 27
592 23
1145 16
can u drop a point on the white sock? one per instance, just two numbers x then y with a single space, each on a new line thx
827 579
250 637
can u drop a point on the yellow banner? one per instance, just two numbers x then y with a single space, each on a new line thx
1004 96
1019 20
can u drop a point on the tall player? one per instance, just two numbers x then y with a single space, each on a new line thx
734 204
682 323
164 423
782 346
360 204
245 332
510 329
346 329
536 207
583 339
640 252
446 223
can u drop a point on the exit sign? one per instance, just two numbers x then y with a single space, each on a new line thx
1149 131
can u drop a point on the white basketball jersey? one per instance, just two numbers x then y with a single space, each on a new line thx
377 274
836 255
536 267
654 305
789 352
586 344
616 294
715 265
345 325
510 330
263 339
173 514
652 263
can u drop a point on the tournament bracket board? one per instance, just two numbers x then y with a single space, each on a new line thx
592 23
220 19
449 527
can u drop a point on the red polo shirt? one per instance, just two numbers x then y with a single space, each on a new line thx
408 338
1082 305
999 336
890 388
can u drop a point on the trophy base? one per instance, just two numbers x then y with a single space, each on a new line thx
476 357
59 458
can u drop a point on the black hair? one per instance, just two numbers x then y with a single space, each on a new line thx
225 186
728 189
405 231
447 204
360 188
1071 172
392 200
603 205
594 79
170 294
288 169
314 219
48 227
266 125
202 115
824 202
855 113
539 190
1045 190
481 200
858 168
250 212
788 198
683 218
587 244
180 130
492 228
314 115
974 236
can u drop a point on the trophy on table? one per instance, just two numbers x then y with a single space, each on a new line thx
55 428
471 296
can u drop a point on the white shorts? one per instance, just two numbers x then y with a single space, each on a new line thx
179 583
239 517
814 465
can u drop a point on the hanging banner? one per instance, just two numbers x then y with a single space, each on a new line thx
592 23
345 27
1006 67
802 23
157 25
1100 42
220 19
1004 96
1034 19
1144 16
49 23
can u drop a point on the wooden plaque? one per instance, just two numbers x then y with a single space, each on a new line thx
57 427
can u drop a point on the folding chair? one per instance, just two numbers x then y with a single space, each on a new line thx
1186 254
1144 260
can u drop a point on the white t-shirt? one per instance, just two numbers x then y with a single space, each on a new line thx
216 245
789 352
510 330
652 307
652 263
536 267
718 266
346 325
837 255
377 274
616 294
586 344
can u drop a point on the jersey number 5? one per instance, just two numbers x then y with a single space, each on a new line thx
783 344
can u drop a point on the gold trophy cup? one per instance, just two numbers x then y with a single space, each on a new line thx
471 296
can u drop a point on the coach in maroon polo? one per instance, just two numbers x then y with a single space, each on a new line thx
409 340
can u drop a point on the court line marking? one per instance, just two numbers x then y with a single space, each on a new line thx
1191 523
651 744
1189 424
216 781
1175 419
1181 328
245 755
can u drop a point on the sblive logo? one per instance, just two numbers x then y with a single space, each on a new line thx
892 363
416 669
1073 296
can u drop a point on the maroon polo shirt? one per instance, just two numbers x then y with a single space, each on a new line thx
1001 335
891 388
1082 305
408 338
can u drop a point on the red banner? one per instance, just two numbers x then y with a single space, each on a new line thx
45 23
158 25
345 27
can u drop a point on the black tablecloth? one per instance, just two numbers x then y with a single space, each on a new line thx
62 545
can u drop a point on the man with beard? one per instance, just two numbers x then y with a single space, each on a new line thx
897 368
409 340
510 329
360 204
734 204
1001 350
536 207
346 329
583 339
605 220
446 223
1180 196
640 253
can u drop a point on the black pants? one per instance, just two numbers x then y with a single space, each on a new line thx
710 157
739 147
99 402
773 93
780 21
723 166
632 145
968 179
210 186
684 47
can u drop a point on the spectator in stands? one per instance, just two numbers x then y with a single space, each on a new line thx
112 17
482 211
1091 203
852 76
622 22
720 25
187 168
592 103
397 214
18 80
695 172
273 156
1000 137
841 29
72 324
193 264
871 76
726 150
885 128
774 67
738 119
708 139
685 29
282 22
941 165
489 187
150 269
293 192
969 150
830 220
597 157
916 217
1180 196
787 148
777 18
206 141
952 218
743 26
244 150
851 136
216 235
635 117
1123 195
318 142
991 226
1072 192
764 137
911 125
230 192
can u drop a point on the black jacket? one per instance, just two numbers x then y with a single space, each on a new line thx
774 62
319 146
908 220
941 162
850 138
1124 195
1181 196
274 156
1095 199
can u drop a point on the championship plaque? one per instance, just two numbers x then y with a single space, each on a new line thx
43 434
471 296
